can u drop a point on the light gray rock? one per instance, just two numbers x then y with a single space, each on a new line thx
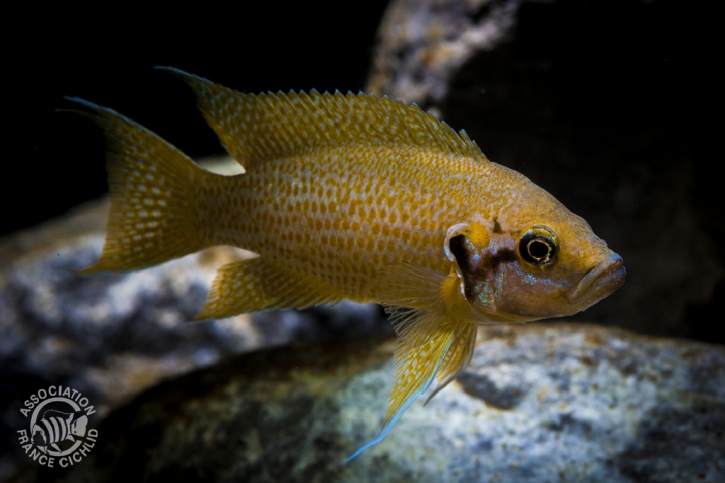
423 43
539 403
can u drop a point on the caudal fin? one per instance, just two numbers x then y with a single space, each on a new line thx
153 216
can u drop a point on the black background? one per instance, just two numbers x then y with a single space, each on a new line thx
107 56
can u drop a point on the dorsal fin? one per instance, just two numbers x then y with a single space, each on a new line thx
255 128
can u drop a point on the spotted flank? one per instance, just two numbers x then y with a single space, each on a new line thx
352 197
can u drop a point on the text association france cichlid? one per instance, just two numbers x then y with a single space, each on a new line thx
352 196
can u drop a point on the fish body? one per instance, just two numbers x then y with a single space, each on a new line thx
337 216
351 196
56 427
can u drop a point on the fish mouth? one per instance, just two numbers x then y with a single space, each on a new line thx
601 280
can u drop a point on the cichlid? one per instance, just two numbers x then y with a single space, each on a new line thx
357 197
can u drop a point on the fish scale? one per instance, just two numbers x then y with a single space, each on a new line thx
333 220
352 196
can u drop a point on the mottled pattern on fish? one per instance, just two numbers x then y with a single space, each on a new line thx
351 196
339 216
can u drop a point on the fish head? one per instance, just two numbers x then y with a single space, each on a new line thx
558 268
78 427
544 262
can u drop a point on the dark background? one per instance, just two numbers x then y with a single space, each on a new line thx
642 72
107 57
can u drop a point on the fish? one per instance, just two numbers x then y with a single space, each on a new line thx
359 197
56 427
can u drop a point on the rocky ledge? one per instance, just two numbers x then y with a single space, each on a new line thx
538 403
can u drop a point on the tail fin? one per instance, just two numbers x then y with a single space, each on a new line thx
154 215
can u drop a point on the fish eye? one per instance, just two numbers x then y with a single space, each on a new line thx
539 246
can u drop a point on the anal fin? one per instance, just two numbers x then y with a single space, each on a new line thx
252 285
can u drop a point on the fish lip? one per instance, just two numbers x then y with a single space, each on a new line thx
609 272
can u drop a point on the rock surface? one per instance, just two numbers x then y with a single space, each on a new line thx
538 403
422 44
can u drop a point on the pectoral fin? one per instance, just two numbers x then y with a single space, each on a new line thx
417 299
251 285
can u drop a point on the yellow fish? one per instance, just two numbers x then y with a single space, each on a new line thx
357 197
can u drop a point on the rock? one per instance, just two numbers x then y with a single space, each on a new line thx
571 95
421 44
544 402
112 337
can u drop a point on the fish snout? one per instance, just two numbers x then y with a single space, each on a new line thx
606 277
